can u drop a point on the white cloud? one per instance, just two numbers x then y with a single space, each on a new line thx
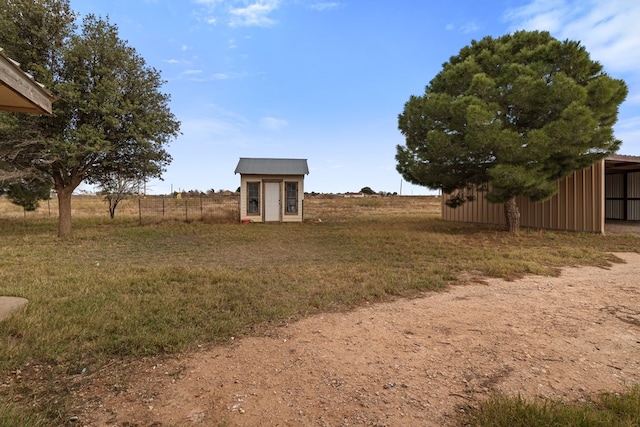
628 130
607 29
470 27
466 28
189 72
256 14
239 13
272 123
228 75
174 61
322 6
545 15
221 76
200 76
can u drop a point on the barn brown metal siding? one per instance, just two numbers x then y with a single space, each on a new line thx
614 191
633 195
623 196
578 205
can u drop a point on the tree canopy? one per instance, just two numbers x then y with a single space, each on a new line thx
516 112
27 192
111 116
367 190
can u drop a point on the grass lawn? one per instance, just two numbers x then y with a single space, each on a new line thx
116 290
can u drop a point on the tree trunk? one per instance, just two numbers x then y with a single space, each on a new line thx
512 215
64 211
113 203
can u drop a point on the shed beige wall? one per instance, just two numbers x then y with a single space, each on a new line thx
578 205
281 179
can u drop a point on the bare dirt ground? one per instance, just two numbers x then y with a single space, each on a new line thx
405 363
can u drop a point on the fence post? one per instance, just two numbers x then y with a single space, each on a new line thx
139 211
200 207
162 206
186 209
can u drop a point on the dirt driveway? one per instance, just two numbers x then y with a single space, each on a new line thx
406 363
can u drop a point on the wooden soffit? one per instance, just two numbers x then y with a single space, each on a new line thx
19 92
622 164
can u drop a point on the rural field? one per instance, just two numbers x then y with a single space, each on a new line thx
371 312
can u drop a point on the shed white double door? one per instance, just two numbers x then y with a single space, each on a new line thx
271 201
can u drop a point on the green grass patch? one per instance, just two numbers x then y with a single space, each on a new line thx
11 416
609 410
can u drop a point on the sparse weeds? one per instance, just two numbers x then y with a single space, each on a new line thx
607 410
11 415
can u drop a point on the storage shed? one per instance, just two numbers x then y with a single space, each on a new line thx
607 190
272 190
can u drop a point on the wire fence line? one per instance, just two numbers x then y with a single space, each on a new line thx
212 208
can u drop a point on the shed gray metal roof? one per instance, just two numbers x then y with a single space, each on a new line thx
251 166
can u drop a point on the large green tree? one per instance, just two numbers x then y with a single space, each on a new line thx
516 112
111 116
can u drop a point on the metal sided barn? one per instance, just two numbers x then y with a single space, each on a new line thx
607 190
272 190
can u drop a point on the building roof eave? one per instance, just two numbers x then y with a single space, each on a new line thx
19 92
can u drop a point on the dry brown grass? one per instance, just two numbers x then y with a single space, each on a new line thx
226 210
146 209
343 208
81 206
116 290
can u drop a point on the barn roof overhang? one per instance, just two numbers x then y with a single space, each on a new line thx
19 92
622 164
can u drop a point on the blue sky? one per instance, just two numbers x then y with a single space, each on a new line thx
326 80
